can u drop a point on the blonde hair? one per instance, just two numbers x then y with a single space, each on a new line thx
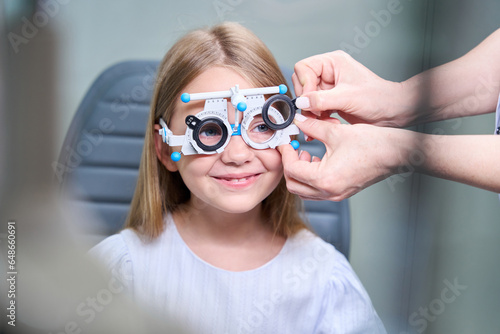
158 190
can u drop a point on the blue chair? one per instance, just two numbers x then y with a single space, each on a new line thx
99 160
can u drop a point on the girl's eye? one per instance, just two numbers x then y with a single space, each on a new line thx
210 132
260 128
259 131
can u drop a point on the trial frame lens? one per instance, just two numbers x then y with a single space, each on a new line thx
288 112
211 123
258 131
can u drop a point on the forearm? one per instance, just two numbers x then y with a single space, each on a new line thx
467 86
473 160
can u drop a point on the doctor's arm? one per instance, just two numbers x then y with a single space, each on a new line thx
360 155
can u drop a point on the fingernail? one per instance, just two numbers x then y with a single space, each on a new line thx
306 137
300 153
300 117
302 102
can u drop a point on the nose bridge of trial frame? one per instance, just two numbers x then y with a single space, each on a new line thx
238 98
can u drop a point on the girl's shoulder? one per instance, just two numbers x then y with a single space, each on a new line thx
307 246
115 246
120 247
344 299
114 254
130 248
321 261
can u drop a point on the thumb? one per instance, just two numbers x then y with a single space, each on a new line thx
318 129
288 154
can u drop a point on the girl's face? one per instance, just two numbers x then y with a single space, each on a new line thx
239 178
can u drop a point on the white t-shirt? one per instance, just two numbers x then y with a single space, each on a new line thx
309 287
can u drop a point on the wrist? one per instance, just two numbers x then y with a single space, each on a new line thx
408 102
398 110
403 150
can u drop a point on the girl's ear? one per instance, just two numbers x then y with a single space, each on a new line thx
163 151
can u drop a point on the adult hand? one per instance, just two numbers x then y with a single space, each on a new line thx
335 82
356 157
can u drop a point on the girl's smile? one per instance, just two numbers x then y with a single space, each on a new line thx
236 181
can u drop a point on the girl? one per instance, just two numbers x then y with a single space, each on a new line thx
216 239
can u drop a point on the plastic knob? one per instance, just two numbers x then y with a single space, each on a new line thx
176 156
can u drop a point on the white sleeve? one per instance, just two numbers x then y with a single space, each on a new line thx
114 255
346 307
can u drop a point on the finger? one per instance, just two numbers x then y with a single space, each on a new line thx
288 154
316 114
292 166
330 119
304 156
302 178
303 190
303 172
321 130
309 114
325 100
351 119
317 72
296 85
326 118
307 75
311 198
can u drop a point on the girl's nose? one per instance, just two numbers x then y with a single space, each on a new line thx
237 152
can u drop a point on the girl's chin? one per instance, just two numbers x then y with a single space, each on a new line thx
231 205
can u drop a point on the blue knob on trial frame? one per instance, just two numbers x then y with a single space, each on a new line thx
185 97
295 144
242 106
176 156
283 89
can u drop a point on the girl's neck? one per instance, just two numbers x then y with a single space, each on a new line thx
231 241
209 222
